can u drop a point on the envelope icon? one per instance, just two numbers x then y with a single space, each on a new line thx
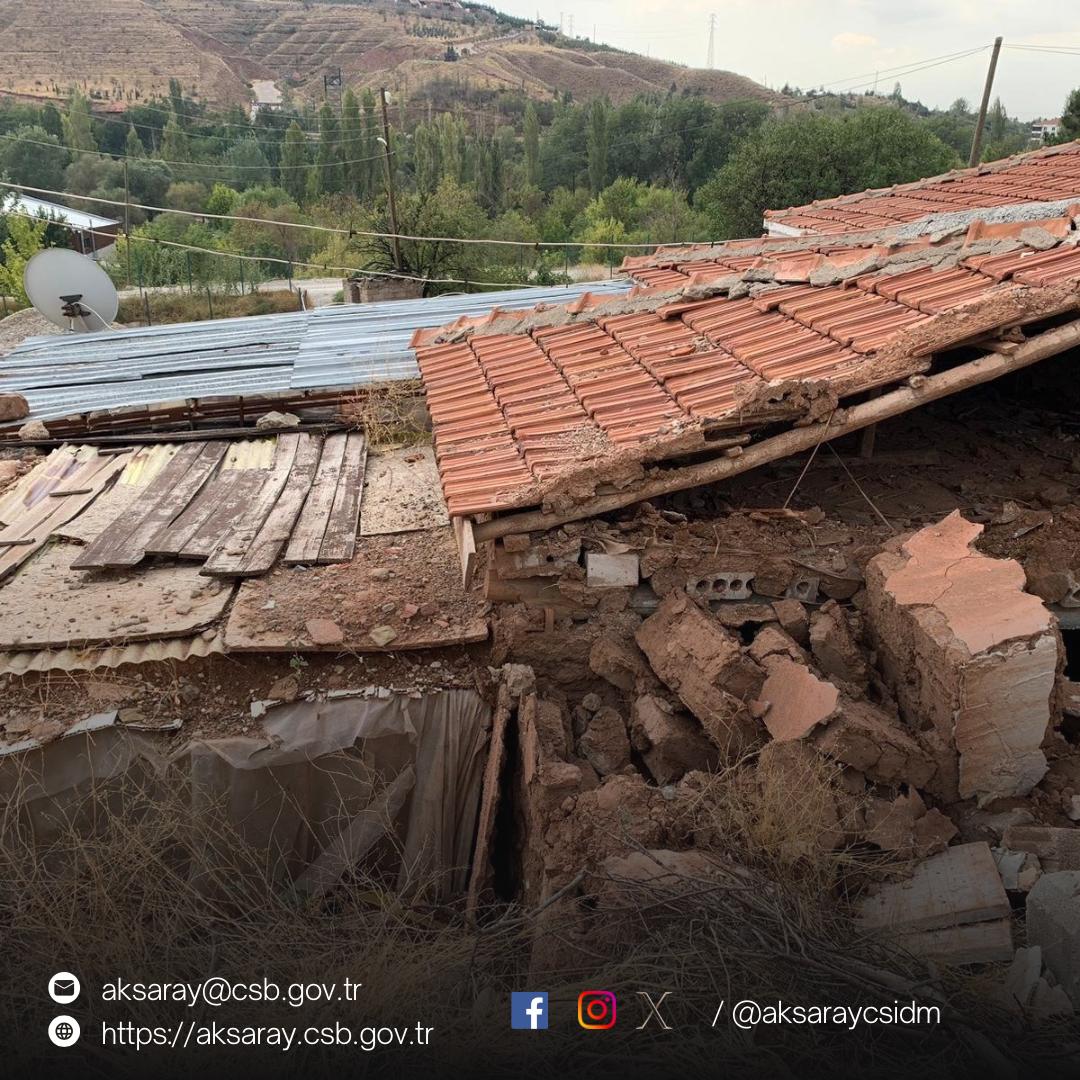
64 987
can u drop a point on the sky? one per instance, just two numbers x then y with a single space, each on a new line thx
844 42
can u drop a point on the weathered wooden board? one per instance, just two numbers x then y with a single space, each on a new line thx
402 492
308 533
49 605
172 539
233 503
165 497
28 531
336 608
339 541
253 543
251 549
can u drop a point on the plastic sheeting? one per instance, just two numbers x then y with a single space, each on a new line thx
321 786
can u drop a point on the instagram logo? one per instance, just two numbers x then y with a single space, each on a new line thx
596 1009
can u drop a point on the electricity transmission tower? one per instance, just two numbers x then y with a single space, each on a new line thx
711 57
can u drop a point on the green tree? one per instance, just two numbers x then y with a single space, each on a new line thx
352 143
133 145
51 120
370 155
25 237
175 146
78 127
1070 117
599 141
294 163
532 145
222 200
33 157
248 163
817 156
330 174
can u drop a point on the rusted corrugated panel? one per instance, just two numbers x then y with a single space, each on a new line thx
146 652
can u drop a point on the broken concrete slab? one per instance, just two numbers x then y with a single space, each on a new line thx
967 650
670 742
704 664
797 700
1056 849
869 740
959 946
1053 923
611 571
959 886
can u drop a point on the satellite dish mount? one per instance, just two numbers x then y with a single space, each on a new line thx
71 291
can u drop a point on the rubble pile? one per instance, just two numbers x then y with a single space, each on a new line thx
906 700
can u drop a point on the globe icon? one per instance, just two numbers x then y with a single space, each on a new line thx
64 1031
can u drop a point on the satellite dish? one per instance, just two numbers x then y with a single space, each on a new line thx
70 290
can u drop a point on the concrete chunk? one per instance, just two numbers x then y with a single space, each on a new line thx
611 571
13 407
671 742
797 699
966 649
1056 849
959 886
1053 923
704 664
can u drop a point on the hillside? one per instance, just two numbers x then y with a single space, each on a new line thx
125 51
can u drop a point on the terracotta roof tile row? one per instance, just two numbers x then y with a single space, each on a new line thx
513 410
1045 175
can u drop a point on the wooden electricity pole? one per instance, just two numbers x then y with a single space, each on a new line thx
390 183
977 139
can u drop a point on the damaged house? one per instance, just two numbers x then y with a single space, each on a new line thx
797 513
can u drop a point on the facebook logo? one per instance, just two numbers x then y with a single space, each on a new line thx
529 1010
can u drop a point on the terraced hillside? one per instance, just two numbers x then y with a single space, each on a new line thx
126 50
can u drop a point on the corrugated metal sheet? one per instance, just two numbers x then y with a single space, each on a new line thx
326 348
145 652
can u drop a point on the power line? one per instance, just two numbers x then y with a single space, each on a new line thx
193 164
369 234
308 265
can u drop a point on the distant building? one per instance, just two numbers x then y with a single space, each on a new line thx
91 234
1041 130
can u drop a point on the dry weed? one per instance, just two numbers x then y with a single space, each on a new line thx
392 414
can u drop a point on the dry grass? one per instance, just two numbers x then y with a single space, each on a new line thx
126 880
392 414
179 307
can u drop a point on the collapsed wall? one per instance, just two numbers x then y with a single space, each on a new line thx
968 654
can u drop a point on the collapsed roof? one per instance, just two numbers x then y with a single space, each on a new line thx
1039 176
575 408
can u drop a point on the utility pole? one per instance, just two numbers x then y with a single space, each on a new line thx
980 124
390 183
127 220
710 59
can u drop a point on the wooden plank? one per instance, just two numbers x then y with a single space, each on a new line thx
252 550
29 532
124 544
466 544
122 527
171 539
233 504
339 542
227 559
308 534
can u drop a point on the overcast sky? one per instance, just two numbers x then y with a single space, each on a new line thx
810 42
